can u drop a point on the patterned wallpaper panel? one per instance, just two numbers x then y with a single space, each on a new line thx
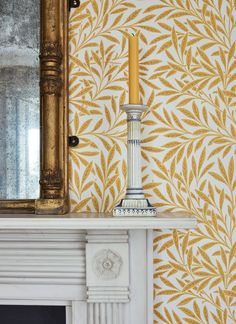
188 79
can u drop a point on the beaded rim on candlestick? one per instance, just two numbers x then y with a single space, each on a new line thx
134 204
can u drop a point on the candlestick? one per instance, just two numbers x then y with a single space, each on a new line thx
134 203
133 70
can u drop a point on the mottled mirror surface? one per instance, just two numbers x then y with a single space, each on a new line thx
19 99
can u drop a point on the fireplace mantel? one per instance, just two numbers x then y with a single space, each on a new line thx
98 266
98 221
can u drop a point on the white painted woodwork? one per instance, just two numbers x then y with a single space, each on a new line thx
109 283
65 261
87 221
78 312
57 258
149 278
138 268
68 314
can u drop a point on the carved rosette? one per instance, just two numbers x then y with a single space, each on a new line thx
51 58
107 264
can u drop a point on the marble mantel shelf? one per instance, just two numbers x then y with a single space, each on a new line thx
98 221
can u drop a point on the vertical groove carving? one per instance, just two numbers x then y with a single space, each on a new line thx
106 313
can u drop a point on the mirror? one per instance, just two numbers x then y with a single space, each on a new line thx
34 106
19 99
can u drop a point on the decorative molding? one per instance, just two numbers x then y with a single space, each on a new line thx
42 264
51 179
51 50
51 86
107 264
107 313
51 205
108 295
51 58
55 267
104 236
96 222
107 267
42 258
54 121
16 206
138 211
134 116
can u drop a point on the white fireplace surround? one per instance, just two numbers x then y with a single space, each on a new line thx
99 268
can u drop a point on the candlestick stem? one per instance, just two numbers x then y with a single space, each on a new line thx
134 203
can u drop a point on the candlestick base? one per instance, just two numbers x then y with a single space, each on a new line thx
134 207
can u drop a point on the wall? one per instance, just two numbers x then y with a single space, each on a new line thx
187 54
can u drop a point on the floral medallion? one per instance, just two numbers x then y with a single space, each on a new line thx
107 264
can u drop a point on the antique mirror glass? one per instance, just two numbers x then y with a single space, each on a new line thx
19 99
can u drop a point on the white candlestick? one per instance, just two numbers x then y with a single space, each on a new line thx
134 203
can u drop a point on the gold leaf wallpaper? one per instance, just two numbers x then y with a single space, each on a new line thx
188 79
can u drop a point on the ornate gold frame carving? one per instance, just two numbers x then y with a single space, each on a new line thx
54 110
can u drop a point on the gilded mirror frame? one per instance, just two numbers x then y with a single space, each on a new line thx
53 115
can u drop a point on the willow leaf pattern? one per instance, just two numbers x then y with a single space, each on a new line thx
188 80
